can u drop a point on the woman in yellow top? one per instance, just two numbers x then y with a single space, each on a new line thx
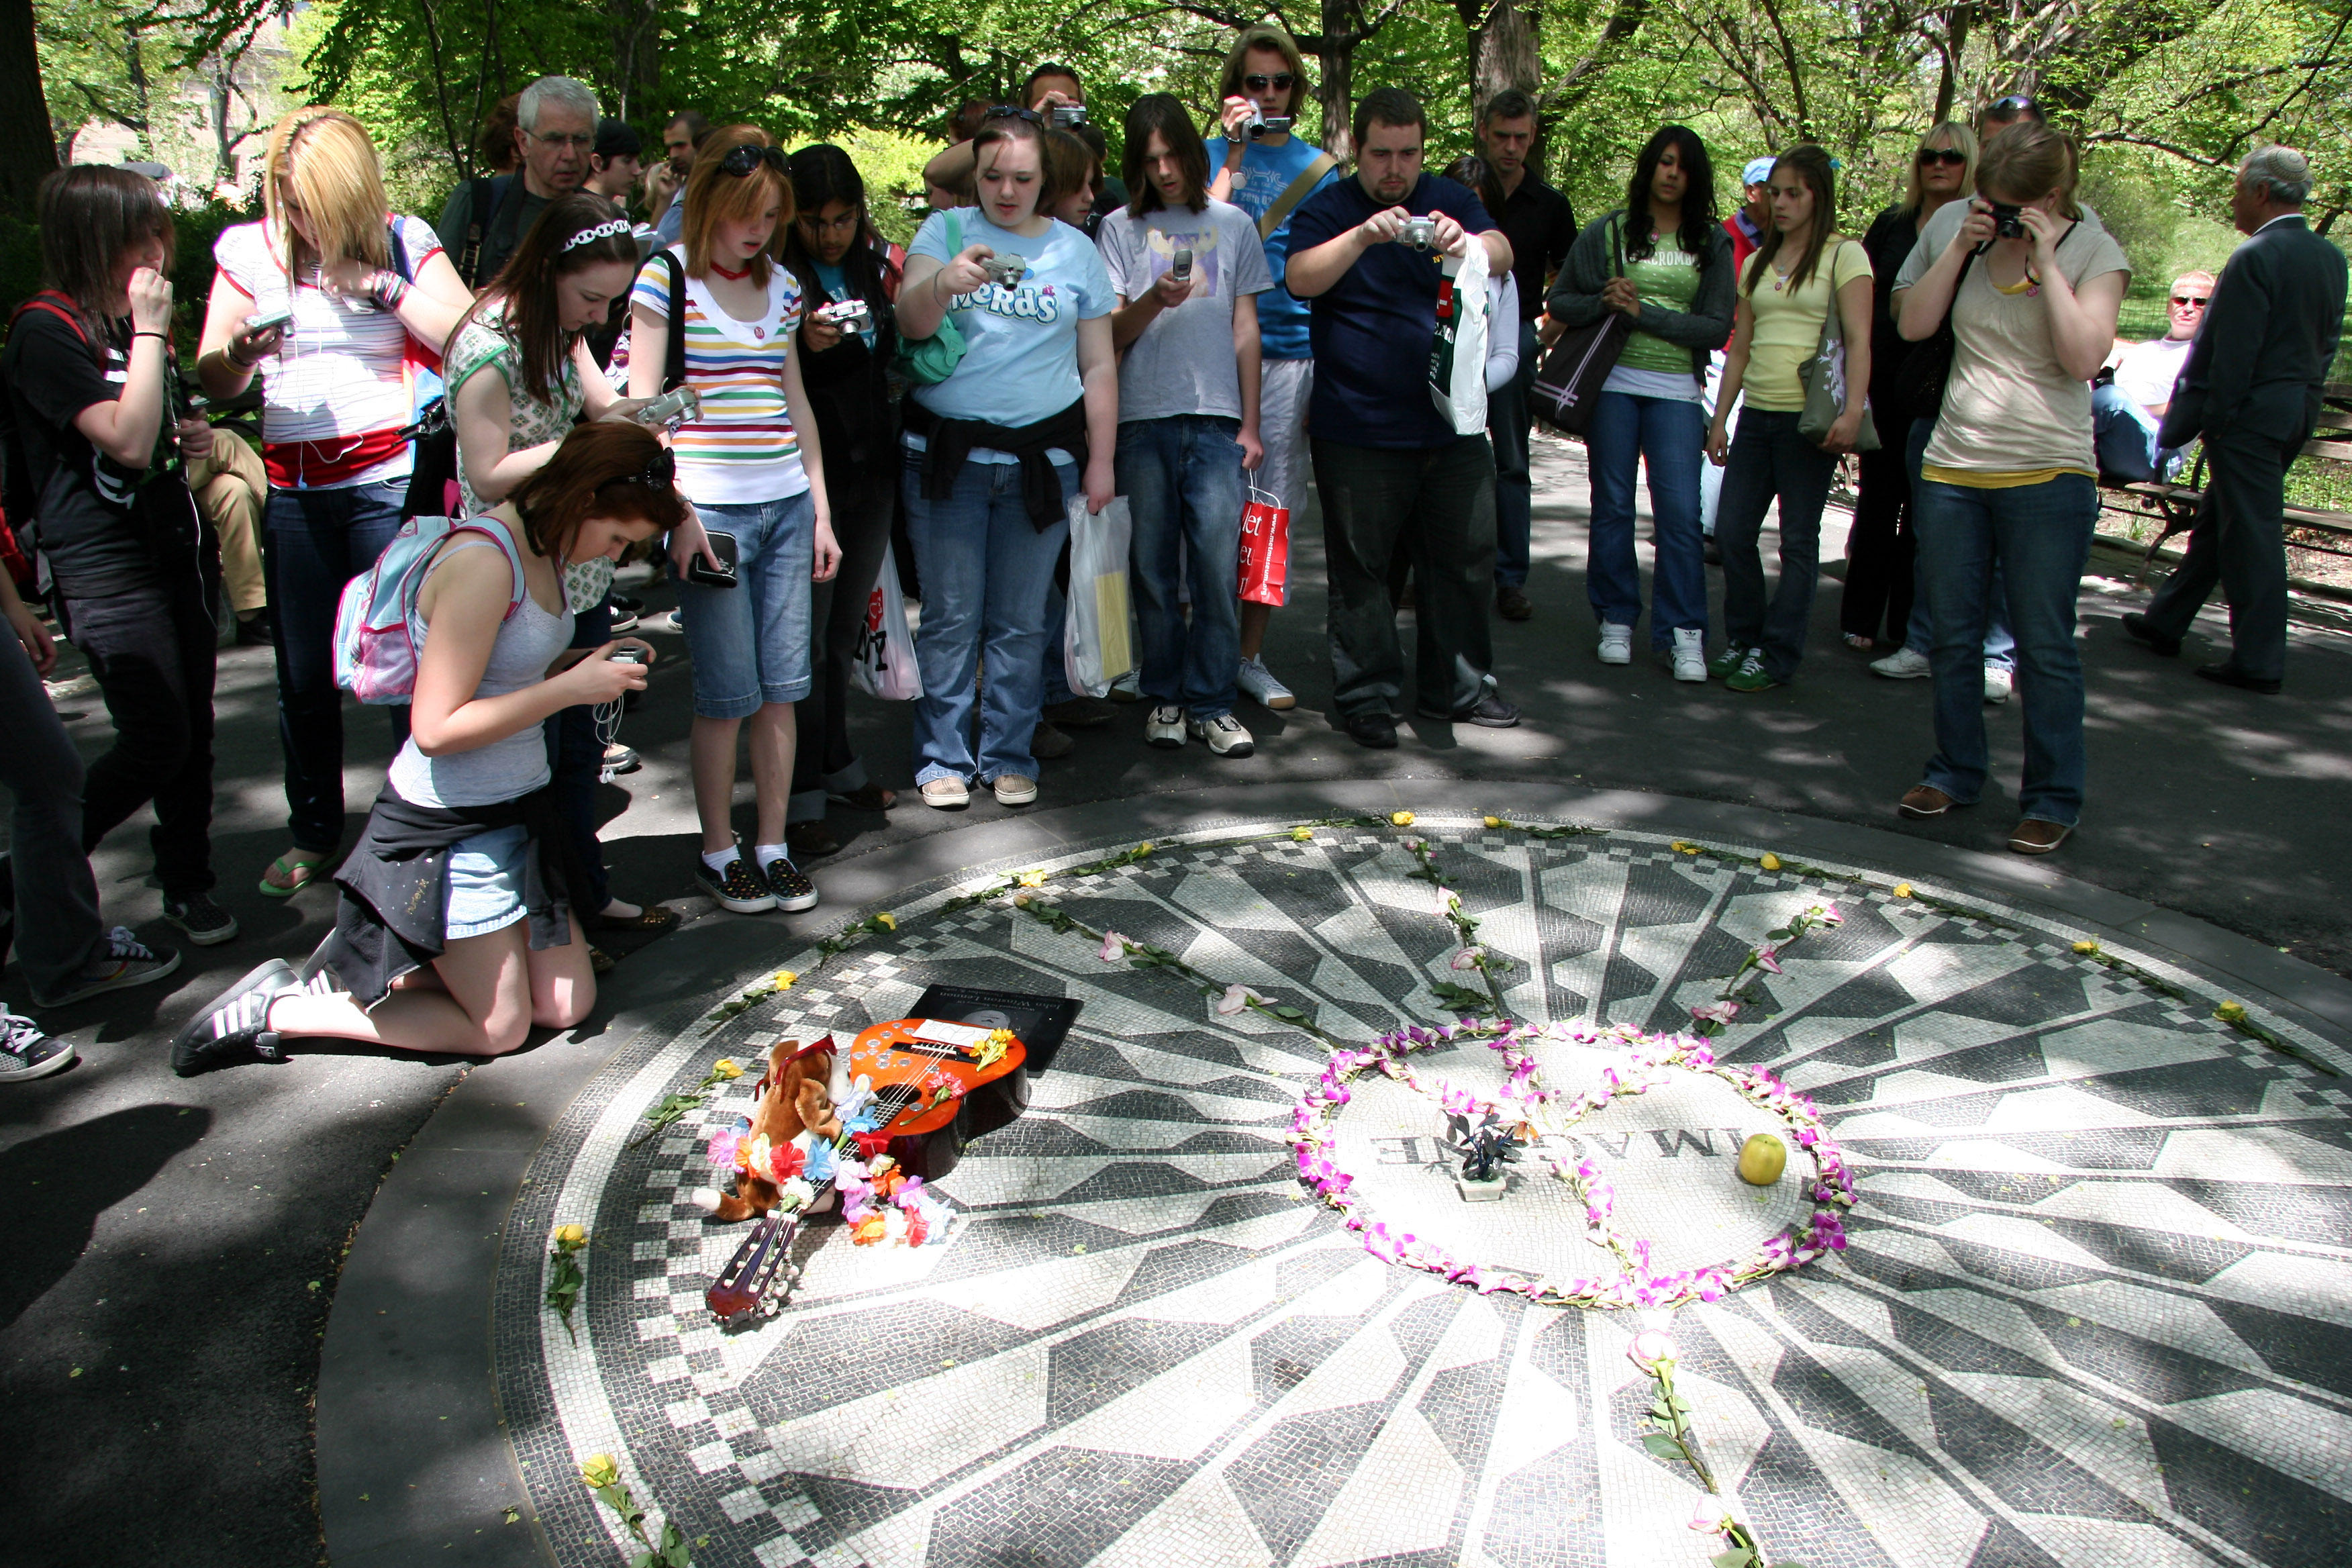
2010 475
1803 269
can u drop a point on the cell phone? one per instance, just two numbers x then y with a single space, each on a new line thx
723 576
270 321
1183 265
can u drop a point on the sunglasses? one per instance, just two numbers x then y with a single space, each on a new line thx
2198 300
741 161
2015 103
1014 111
1950 157
660 473
1280 82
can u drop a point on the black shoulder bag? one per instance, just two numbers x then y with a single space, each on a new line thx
1568 383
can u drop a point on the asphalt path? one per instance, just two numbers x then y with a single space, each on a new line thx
172 1245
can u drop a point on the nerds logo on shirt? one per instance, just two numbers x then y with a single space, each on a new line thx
1028 303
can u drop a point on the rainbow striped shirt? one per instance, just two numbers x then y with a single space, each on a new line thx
742 450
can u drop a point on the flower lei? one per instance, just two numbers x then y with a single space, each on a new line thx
881 1201
1649 1059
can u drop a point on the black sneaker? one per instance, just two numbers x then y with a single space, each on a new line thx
122 961
27 1053
235 1026
741 891
206 923
1489 712
792 890
628 604
1375 730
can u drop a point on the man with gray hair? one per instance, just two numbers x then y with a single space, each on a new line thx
485 219
2252 389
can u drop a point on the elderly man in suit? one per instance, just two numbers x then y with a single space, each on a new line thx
2252 389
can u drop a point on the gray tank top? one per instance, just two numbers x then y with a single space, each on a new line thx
529 641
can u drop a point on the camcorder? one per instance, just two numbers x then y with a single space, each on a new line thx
2008 222
1068 114
1261 123
672 408
1421 233
1007 270
849 315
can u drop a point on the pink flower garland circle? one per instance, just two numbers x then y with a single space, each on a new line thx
1649 1059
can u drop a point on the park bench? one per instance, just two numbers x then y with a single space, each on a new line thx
2319 530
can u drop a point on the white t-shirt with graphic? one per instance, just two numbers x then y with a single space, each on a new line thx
1183 363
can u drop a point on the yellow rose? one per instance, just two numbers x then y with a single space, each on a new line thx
1769 861
886 920
726 1068
1902 889
2231 1012
599 1470
1493 821
570 1235
1402 818
1682 849
1032 878
1302 836
1143 850
2086 947
782 979
1020 901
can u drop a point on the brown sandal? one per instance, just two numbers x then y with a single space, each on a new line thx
652 918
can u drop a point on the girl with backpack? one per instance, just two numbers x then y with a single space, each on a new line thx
520 374
364 298
717 312
459 929
1802 272
99 437
837 257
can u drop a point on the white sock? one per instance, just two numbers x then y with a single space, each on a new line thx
719 859
769 854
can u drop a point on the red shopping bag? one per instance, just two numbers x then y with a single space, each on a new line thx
1266 548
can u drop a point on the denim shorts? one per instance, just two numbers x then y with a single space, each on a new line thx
750 643
485 882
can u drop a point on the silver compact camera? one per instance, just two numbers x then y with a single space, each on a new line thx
1421 233
849 315
627 656
672 408
1261 123
1007 270
1068 114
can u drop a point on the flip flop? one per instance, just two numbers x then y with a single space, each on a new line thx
300 874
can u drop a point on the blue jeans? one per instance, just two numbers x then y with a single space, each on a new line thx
1672 434
2041 536
986 569
2000 647
750 643
2125 434
1508 420
1183 479
1769 459
314 542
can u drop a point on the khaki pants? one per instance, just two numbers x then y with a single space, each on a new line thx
231 485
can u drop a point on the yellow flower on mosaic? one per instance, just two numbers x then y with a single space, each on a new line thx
1402 818
783 979
886 920
727 1068
2231 1012
1493 822
1769 861
2086 947
1901 889
1031 879
1302 836
1020 901
599 1470
570 1235
1682 849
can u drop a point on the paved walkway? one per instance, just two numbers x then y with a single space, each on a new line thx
177 1243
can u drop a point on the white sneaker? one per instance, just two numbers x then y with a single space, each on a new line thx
1616 643
1997 681
1690 654
1902 664
1223 734
1258 682
1165 727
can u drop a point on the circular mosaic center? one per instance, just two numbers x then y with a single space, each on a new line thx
2094 1302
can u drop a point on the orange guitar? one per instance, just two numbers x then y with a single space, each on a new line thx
935 1086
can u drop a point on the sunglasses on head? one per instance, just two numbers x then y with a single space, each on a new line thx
1279 82
660 473
2015 103
741 161
1014 111
2197 299
1950 157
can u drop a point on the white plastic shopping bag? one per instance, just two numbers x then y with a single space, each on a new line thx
1095 647
1457 353
886 649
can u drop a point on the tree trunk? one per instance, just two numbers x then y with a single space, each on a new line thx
28 146
1336 51
1955 43
1503 52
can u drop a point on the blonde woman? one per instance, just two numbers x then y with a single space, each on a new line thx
1877 595
331 299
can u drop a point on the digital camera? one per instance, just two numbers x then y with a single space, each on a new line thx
627 656
2008 222
1068 114
1007 270
1261 123
672 408
849 315
1421 233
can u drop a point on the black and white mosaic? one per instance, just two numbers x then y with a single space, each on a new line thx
2097 1311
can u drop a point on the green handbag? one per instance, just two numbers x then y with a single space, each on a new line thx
930 360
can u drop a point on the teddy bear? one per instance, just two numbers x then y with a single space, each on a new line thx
795 1096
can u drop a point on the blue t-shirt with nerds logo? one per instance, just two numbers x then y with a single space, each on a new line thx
1265 173
1021 344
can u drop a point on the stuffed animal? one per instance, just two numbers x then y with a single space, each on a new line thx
795 1096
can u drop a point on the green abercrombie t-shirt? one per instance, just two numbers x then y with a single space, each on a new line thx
1667 279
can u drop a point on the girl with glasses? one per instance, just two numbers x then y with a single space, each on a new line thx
363 295
1877 596
751 464
1027 419
837 257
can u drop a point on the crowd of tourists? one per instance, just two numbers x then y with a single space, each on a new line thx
711 355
